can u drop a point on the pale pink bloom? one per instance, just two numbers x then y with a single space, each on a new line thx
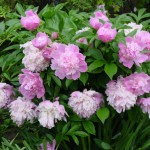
29 48
119 97
6 94
133 26
145 105
22 109
95 23
101 15
131 52
49 146
85 103
49 113
41 40
31 21
68 62
144 37
54 35
35 62
82 40
106 33
138 83
83 30
31 84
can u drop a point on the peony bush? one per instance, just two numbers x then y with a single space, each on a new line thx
74 80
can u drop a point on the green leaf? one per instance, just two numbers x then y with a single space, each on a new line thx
2 27
81 133
57 80
83 78
103 114
65 128
105 146
68 82
110 70
75 139
20 9
27 145
89 127
96 64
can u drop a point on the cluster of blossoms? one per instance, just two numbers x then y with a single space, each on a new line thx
101 23
133 51
123 93
85 103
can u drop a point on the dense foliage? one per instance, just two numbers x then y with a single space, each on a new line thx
107 128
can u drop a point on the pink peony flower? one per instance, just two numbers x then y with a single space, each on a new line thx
54 35
68 62
101 15
29 48
138 83
33 59
49 113
22 109
119 97
49 146
82 40
106 33
145 105
95 23
35 62
144 37
132 52
31 21
6 94
133 26
41 40
31 85
85 103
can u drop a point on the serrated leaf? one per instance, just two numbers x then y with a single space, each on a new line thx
110 70
89 127
103 114
83 78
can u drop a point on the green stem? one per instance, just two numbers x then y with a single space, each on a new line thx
89 142
83 144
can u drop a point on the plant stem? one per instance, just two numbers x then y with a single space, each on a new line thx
83 144
89 142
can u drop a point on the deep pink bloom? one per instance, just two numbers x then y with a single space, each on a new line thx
6 94
144 37
145 105
31 84
41 40
22 109
138 83
54 35
85 103
68 62
131 52
119 97
101 15
31 21
106 33
95 23
49 146
49 113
